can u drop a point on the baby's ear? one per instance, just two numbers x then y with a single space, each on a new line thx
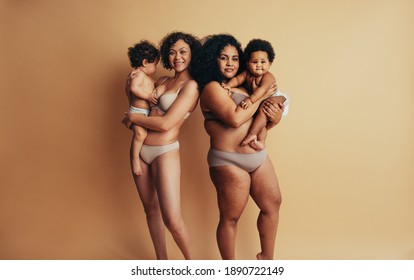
145 62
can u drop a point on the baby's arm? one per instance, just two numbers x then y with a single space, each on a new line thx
137 87
235 81
258 90
266 82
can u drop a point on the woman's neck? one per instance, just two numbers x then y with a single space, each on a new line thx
181 76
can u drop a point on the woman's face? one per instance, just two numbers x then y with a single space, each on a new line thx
180 56
228 62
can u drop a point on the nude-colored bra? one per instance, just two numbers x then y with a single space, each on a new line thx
167 99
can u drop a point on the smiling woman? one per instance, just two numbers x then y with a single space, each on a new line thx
344 158
159 184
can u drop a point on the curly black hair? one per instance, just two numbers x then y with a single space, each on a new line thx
259 45
172 38
206 67
142 50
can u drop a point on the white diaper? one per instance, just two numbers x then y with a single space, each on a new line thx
141 111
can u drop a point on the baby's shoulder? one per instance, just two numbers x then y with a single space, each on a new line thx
139 74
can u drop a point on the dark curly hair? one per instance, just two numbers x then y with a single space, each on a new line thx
206 67
172 38
142 50
259 45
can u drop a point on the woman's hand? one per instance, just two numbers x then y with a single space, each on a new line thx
127 120
273 112
133 73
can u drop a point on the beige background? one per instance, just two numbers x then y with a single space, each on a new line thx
344 155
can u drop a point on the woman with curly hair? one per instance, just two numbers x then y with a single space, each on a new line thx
159 184
236 171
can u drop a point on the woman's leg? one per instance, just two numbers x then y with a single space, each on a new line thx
266 193
149 199
232 185
166 173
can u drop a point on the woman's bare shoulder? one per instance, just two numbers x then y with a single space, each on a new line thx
212 87
190 86
191 83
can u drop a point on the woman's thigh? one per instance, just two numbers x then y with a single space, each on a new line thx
265 189
233 187
166 171
145 186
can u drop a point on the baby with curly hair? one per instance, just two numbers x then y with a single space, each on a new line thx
143 57
257 79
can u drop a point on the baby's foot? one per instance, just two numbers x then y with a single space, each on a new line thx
257 145
249 138
136 167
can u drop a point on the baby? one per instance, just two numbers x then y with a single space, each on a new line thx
144 58
258 80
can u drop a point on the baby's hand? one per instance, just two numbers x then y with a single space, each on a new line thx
246 103
223 85
153 97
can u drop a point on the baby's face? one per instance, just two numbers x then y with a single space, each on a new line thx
258 63
152 67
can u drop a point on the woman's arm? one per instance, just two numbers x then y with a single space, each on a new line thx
185 102
216 100
273 113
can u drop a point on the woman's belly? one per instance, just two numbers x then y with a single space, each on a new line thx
226 138
158 138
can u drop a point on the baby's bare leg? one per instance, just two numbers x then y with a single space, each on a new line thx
259 123
139 136
259 142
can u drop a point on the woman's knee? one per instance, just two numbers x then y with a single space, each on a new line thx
173 223
278 200
272 204
151 208
229 219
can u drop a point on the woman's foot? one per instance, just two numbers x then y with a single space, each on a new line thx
260 257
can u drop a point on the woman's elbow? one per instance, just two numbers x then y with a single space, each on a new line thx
164 127
234 123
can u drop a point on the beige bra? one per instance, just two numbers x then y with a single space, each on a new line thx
167 99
